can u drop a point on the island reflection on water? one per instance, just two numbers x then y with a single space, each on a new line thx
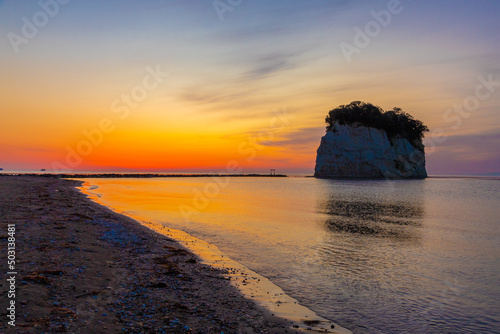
409 252
367 260
396 220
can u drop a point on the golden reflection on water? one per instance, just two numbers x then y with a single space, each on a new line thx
258 208
150 201
386 249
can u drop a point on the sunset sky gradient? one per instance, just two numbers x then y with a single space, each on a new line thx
253 87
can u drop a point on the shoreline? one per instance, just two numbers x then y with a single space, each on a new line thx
251 284
83 268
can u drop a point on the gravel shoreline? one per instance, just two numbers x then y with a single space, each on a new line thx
82 268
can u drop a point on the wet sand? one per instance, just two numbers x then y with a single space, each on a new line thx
82 268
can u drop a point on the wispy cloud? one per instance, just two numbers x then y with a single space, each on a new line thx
301 138
269 64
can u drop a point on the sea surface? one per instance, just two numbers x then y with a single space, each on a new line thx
412 256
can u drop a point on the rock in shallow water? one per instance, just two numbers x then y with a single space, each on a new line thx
350 151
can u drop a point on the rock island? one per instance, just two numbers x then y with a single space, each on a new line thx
364 141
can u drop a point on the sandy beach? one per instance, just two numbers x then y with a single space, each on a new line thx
82 268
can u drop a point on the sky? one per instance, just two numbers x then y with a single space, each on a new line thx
216 86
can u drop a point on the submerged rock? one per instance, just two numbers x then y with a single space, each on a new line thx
357 151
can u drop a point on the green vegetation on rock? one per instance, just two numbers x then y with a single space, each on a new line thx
394 122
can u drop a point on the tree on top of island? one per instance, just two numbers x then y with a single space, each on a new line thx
394 122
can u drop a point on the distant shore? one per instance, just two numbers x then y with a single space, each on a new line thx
133 175
83 268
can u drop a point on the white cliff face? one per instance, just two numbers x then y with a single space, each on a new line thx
362 152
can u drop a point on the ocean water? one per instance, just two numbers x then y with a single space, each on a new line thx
413 256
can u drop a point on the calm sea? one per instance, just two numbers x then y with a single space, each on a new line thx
419 256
